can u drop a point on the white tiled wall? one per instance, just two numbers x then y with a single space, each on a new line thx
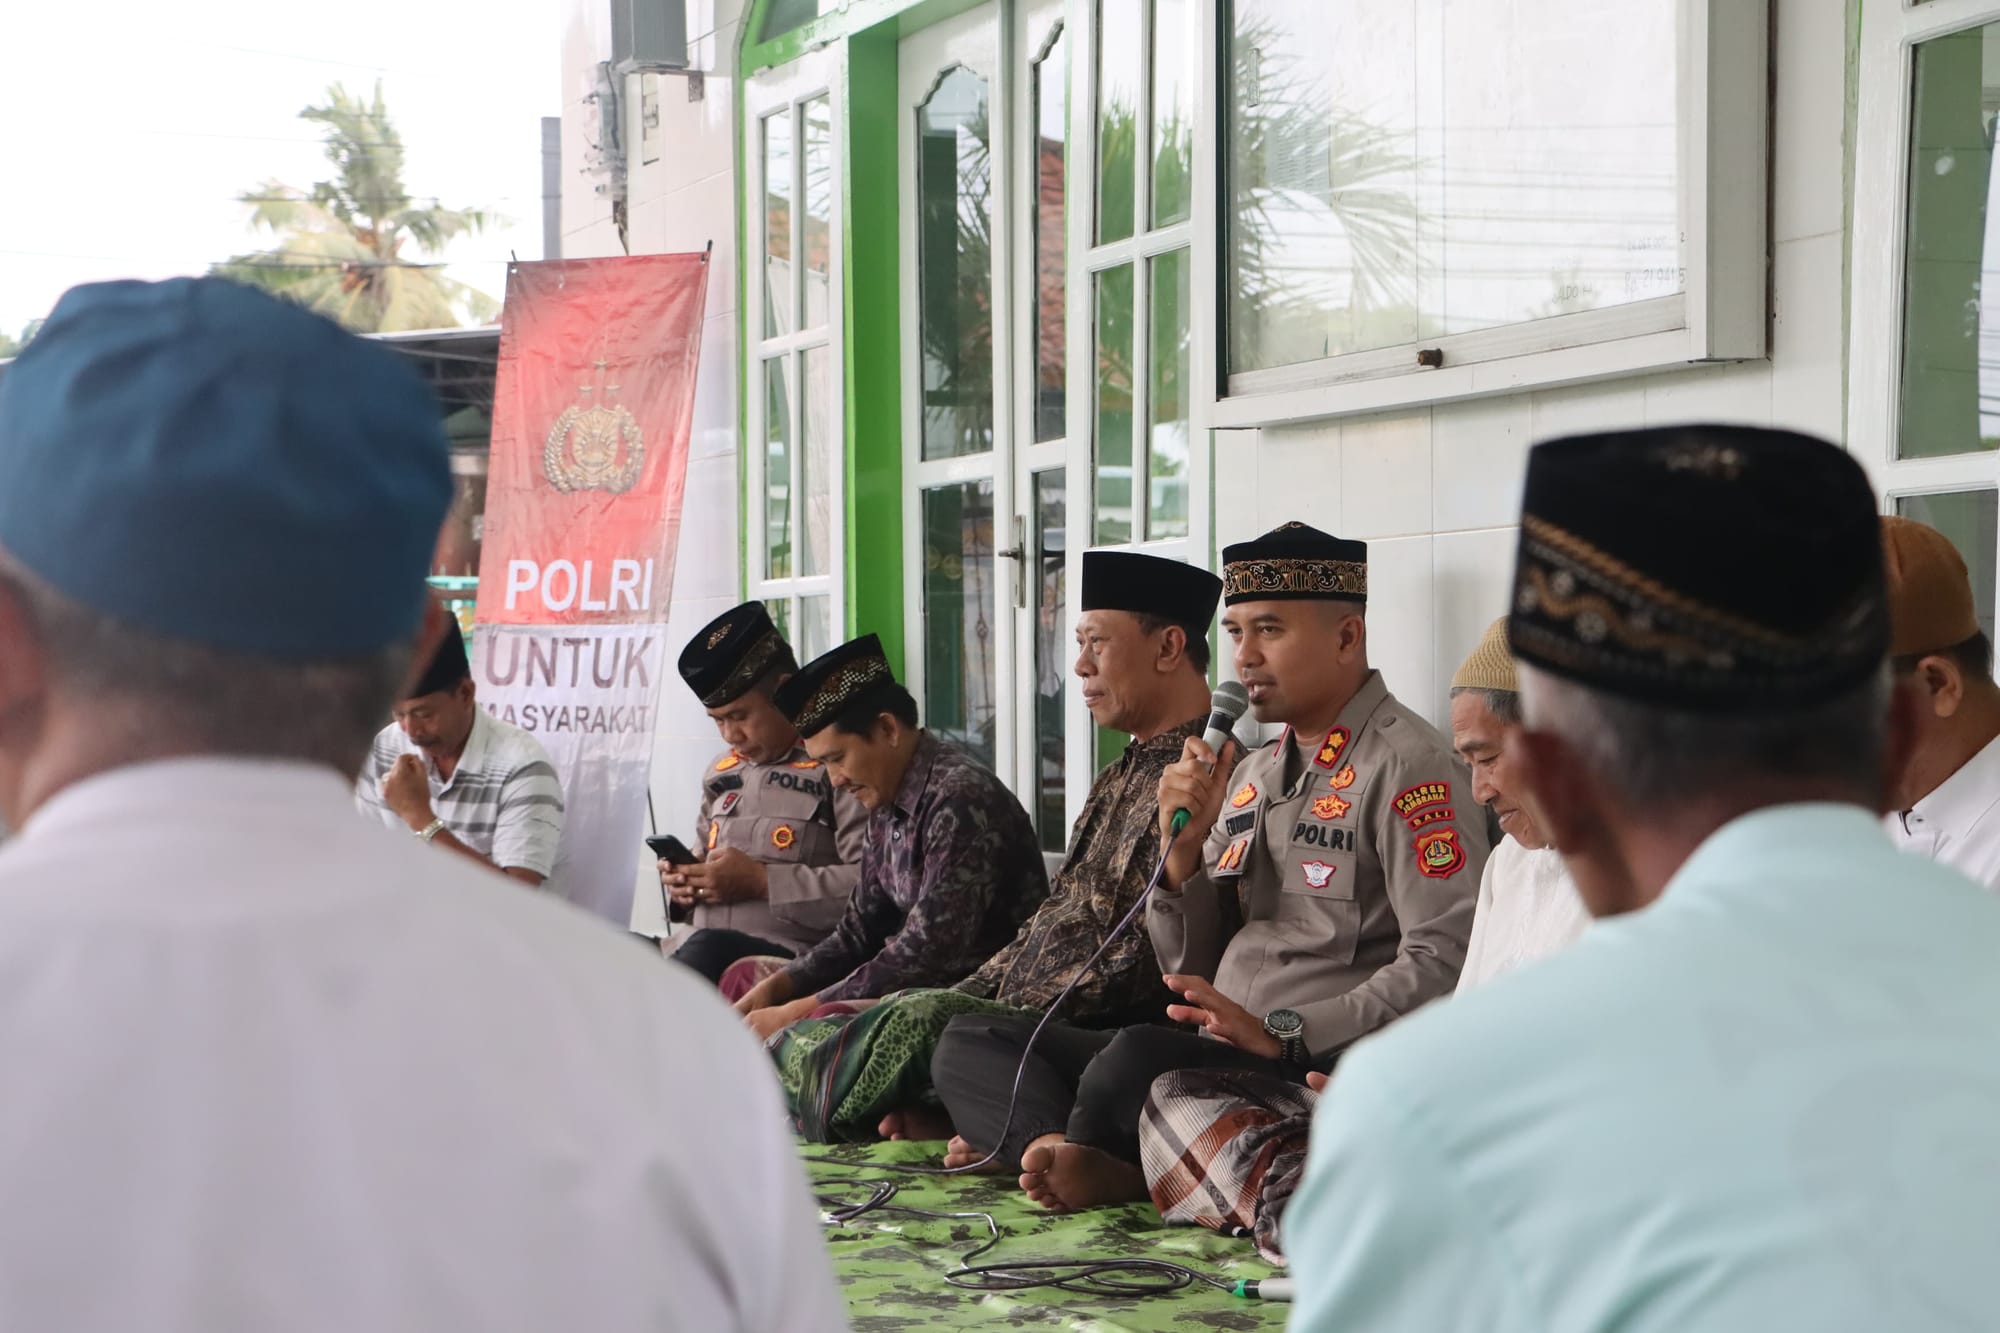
681 201
1436 491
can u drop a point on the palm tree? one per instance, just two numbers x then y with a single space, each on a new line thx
352 248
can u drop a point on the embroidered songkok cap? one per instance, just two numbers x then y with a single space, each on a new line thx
1295 562
1930 592
1151 585
825 686
1490 666
202 461
1708 569
733 652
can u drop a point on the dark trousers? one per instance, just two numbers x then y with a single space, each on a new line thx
711 950
1087 1086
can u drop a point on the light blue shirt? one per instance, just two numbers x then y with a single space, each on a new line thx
1770 1101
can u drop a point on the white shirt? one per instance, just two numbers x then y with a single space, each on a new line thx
1959 823
503 799
1528 909
271 1067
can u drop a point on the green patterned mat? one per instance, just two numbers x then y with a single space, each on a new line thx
892 1266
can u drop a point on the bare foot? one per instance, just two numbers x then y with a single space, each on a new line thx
1063 1177
958 1153
915 1122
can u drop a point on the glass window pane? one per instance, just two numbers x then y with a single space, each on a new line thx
785 15
1167 399
1051 113
959 699
1173 110
778 305
815 627
1404 169
1971 519
1052 659
777 471
816 242
1118 56
781 616
955 267
1114 406
1951 342
816 464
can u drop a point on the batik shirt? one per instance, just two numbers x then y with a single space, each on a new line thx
949 870
1113 852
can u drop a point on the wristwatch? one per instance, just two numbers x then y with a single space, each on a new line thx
1290 1030
432 829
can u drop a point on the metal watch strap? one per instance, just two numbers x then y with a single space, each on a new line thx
430 830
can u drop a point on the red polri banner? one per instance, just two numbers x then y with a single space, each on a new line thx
591 416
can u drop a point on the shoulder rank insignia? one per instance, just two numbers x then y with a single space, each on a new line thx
1244 795
1439 854
1421 795
805 763
1332 748
1342 780
782 837
1330 806
1231 860
1318 874
727 762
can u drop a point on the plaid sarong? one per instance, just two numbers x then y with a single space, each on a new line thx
843 1072
1225 1149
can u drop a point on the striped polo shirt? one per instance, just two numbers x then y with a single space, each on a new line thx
504 799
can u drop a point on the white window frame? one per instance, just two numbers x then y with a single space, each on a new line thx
1087 259
1889 36
1719 316
819 74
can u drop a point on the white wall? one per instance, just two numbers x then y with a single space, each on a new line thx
683 201
680 201
1436 491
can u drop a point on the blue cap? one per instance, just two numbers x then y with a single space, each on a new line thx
203 461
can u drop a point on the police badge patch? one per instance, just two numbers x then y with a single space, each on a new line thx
1439 854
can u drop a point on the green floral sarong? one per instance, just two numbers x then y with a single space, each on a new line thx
842 1074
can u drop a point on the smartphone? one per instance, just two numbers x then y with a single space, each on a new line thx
672 850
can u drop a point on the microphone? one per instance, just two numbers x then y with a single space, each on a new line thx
1225 706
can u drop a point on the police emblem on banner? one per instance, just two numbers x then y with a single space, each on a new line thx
594 446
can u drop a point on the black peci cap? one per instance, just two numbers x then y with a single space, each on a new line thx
1708 569
733 652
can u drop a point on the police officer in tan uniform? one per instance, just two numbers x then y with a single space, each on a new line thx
780 848
1350 847
1331 892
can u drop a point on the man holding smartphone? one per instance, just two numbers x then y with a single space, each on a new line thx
778 849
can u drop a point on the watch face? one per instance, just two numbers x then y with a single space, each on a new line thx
1284 1023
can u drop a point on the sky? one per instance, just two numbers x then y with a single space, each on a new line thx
128 127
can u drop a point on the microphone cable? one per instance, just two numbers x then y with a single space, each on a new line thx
1123 1278
1094 1277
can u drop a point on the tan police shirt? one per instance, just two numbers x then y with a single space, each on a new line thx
1340 878
808 836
